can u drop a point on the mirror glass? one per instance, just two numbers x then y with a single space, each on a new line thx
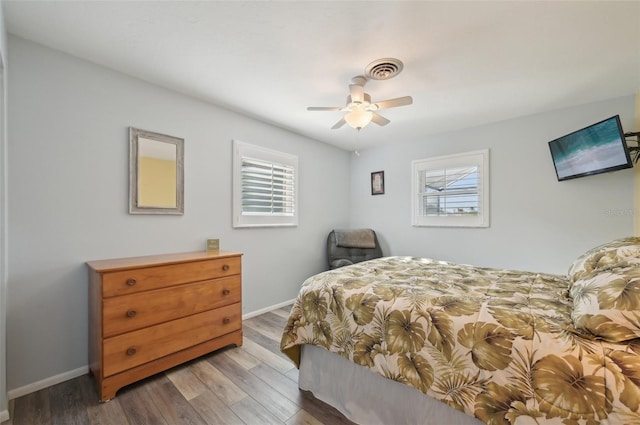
156 173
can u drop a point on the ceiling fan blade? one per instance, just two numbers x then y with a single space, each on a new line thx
324 108
379 119
357 93
338 124
392 103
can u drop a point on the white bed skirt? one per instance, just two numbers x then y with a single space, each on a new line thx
368 398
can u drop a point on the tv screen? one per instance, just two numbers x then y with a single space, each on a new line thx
598 148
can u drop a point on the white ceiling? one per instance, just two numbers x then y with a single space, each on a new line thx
465 63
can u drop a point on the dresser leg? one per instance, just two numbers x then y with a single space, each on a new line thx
107 395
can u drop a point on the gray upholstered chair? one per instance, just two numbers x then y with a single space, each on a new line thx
346 247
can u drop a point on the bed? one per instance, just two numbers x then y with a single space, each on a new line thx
401 340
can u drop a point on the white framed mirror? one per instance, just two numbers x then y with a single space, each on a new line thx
156 173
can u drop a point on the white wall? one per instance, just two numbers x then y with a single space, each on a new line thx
537 223
68 182
68 199
4 412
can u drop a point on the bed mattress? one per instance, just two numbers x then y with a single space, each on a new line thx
497 345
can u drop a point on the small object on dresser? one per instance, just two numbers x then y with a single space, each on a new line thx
213 245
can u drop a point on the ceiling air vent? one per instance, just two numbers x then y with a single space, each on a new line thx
383 69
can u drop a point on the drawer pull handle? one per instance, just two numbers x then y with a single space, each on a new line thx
226 321
131 282
226 292
131 313
131 351
225 267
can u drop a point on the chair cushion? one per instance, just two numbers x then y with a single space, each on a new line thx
340 263
339 256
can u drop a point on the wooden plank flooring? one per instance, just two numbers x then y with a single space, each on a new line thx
252 384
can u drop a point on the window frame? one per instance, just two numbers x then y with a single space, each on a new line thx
479 158
243 150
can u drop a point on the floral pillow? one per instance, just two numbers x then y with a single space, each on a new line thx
606 302
604 256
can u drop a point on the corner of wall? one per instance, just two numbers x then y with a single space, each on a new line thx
636 177
4 412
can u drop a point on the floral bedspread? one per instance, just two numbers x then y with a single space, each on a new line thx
497 344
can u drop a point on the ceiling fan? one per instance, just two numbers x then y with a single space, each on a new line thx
361 111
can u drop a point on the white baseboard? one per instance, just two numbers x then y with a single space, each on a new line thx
53 380
47 382
4 416
266 309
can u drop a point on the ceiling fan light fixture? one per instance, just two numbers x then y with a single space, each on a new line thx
358 118
360 110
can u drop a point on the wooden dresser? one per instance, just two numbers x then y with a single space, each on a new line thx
148 314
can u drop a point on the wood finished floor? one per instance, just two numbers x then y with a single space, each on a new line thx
252 384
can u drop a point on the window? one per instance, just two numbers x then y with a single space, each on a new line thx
265 190
451 190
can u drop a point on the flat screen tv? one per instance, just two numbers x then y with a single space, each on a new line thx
598 148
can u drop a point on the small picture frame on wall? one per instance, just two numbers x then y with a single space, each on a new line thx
377 183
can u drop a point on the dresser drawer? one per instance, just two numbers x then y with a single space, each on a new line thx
147 278
132 349
130 312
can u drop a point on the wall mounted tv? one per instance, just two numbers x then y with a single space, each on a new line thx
598 148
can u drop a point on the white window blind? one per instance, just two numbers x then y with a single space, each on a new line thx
265 187
451 190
